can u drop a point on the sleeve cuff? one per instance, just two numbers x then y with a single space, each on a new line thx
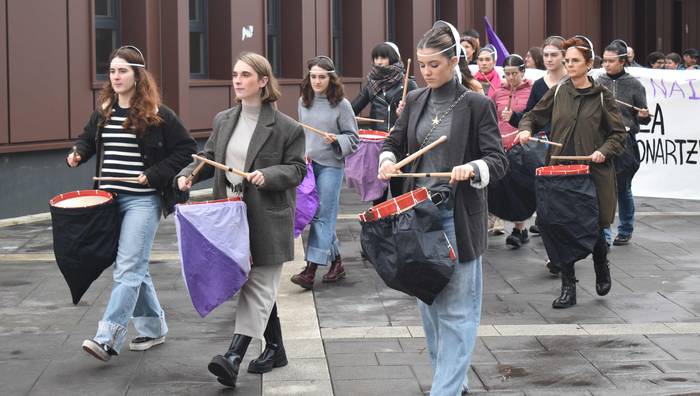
482 170
386 155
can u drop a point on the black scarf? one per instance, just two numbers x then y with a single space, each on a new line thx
384 77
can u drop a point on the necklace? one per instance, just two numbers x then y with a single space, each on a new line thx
436 114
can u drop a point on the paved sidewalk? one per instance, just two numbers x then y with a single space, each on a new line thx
358 337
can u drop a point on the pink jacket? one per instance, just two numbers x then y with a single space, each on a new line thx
517 103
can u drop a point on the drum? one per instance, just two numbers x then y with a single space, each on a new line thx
404 240
214 244
85 236
567 212
362 166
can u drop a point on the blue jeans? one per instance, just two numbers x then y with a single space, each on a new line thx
133 293
452 321
323 246
625 210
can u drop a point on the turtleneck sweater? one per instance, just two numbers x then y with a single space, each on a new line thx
338 120
237 148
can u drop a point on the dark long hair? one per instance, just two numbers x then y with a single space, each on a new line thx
536 55
620 48
335 92
439 38
143 108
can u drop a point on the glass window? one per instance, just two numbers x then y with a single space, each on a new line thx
337 34
274 46
107 34
198 39
391 20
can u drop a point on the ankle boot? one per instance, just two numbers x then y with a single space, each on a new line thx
274 354
603 282
306 277
336 272
225 367
568 292
515 238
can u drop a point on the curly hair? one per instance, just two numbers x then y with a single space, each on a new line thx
335 92
143 107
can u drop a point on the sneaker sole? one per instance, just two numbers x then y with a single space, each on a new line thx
144 346
337 278
222 375
87 348
303 285
255 370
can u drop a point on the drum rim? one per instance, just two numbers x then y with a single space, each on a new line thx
563 170
372 134
373 213
215 201
82 193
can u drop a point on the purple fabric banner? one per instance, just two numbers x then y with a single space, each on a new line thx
214 251
307 201
361 168
496 42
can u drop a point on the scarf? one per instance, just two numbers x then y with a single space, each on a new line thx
493 79
382 78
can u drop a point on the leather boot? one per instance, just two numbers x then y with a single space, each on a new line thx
568 292
306 277
336 272
603 283
274 354
225 367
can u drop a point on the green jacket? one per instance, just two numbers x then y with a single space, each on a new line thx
594 121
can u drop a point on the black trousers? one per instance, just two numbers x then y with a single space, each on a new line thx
600 255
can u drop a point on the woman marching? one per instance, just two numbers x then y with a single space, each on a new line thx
629 90
256 138
133 134
586 121
487 74
323 106
474 155
512 96
383 91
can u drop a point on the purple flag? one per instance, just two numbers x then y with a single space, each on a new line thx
496 42
362 166
214 251
307 201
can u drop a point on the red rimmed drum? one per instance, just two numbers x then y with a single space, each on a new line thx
404 240
362 166
85 236
567 211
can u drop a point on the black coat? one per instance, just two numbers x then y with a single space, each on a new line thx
474 136
380 104
165 149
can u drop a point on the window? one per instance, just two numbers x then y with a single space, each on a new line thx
198 39
107 34
391 20
337 34
273 36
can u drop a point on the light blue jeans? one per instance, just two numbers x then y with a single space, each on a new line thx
133 293
452 321
625 209
323 246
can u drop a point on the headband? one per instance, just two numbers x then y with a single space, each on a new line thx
329 60
520 67
394 47
491 49
624 44
456 46
131 47
584 48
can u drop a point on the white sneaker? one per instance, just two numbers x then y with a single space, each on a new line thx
145 343
99 351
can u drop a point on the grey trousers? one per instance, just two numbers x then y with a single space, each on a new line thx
255 300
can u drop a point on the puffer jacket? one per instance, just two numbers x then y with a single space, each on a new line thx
517 104
383 105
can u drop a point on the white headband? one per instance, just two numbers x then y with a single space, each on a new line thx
584 48
456 45
394 47
132 47
490 49
127 64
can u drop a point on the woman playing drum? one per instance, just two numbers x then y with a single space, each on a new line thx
256 138
474 154
135 136
586 120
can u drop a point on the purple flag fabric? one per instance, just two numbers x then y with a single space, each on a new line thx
214 251
307 201
362 166
496 42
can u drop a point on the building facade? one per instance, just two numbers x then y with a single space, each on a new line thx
53 57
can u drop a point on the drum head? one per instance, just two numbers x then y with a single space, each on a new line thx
562 170
81 199
372 135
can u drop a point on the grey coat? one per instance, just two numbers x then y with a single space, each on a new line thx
277 150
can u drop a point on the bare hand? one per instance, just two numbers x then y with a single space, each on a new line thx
183 183
142 180
523 137
505 114
387 168
329 138
462 173
257 178
644 113
73 159
399 109
597 157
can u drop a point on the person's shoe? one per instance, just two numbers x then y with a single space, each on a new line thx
552 268
603 282
336 272
225 367
274 354
514 238
306 277
534 229
99 351
568 293
621 240
145 343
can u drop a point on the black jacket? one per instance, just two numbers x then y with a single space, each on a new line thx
165 150
381 103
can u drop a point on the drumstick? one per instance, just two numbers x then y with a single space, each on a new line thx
547 142
368 119
117 179
312 129
572 157
195 171
510 98
510 134
420 152
436 174
630 106
220 166
405 80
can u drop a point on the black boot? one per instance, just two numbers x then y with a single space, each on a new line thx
225 367
603 282
568 292
274 354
